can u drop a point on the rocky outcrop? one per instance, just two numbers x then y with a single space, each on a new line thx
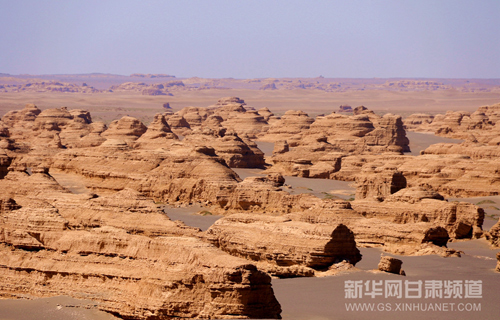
493 235
127 128
229 146
121 252
417 121
498 263
28 114
5 162
157 135
467 148
460 219
149 89
291 125
389 132
283 242
390 265
480 125
378 184
50 86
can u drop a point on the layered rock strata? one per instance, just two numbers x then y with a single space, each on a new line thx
284 242
121 252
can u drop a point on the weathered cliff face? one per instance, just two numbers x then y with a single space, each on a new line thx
290 127
375 183
480 124
5 162
283 242
498 263
127 129
417 122
227 145
121 252
450 175
389 133
473 150
412 238
413 205
178 174
493 235
157 135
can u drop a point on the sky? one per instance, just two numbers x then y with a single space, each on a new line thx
253 39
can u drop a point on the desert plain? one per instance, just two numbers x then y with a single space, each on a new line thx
152 197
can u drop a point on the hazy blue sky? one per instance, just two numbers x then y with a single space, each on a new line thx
246 39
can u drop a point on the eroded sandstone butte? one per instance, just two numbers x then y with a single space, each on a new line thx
121 252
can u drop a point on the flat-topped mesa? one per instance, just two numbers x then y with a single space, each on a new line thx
179 173
230 101
413 205
127 128
286 247
473 150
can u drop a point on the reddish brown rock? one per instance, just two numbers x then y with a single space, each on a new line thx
460 219
389 132
280 146
498 263
229 146
292 123
281 241
127 128
493 235
5 162
120 251
157 135
378 184
418 122
178 124
28 114
391 265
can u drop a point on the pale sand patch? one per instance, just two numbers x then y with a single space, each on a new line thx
421 141
191 216
60 308
324 298
71 181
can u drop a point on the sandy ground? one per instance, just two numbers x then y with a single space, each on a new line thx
60 308
421 141
191 216
110 106
324 298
